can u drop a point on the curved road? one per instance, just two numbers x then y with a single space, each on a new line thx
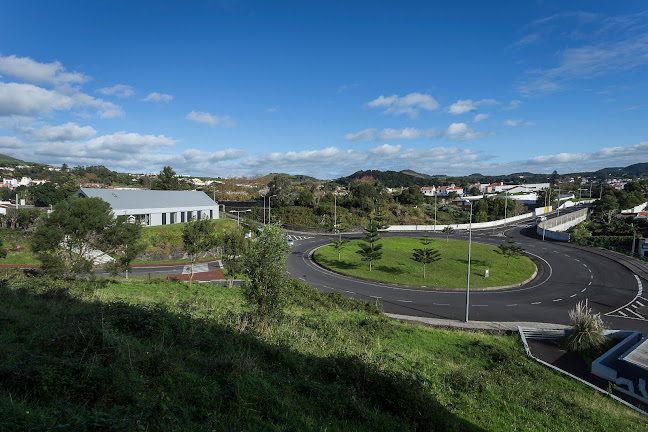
566 276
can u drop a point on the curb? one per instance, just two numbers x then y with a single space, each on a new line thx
473 325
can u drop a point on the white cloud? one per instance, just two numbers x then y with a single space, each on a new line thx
512 122
10 143
209 119
28 70
463 132
514 104
158 97
119 90
480 117
409 104
466 105
406 133
66 132
363 135
30 100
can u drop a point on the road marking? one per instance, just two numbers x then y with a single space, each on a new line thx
622 313
578 261
405 301
376 297
590 270
479 305
515 304
350 292
590 283
634 313
568 256
639 293
303 279
640 304
535 303
573 295
583 290
557 300
441 304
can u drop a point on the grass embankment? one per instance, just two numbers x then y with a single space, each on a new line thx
156 356
18 248
396 265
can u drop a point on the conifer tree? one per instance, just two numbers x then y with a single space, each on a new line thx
425 255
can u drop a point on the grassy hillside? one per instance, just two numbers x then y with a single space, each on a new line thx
156 356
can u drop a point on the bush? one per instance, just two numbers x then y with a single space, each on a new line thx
587 333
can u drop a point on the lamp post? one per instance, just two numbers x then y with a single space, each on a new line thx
238 215
264 197
505 205
558 202
435 206
469 247
270 208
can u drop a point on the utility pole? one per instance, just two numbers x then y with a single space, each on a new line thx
469 247
435 206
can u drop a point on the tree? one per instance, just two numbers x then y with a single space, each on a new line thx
168 180
425 255
448 231
510 250
67 238
412 196
370 250
339 244
235 246
281 186
198 236
265 267
122 239
607 207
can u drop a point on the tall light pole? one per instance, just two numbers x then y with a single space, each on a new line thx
505 205
334 210
559 202
270 208
238 215
435 201
469 247
264 197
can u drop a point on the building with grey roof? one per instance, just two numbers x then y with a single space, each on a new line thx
156 207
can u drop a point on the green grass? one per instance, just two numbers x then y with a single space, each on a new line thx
156 356
18 248
396 265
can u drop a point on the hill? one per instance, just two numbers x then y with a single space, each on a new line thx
6 160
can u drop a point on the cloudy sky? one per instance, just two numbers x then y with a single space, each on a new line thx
231 88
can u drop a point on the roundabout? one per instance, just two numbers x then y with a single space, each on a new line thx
566 275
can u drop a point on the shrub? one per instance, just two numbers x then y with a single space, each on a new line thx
587 333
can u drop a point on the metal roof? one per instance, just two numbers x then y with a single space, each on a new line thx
147 199
639 354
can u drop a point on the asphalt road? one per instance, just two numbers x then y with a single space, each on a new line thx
566 276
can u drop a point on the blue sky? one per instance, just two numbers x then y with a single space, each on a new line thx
234 88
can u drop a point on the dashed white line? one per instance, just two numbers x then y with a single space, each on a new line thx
514 304
405 301
557 300
589 269
442 304
583 290
376 297
573 295
479 305
350 292
578 261
590 283
536 303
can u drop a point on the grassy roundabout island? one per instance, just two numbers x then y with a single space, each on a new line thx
397 266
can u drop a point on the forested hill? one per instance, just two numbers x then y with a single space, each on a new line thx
10 161
390 178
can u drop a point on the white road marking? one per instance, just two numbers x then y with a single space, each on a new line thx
573 295
590 283
578 261
634 313
515 304
350 292
405 301
583 290
640 304
479 305
557 300
639 293
441 304
535 303
376 297
623 314
589 269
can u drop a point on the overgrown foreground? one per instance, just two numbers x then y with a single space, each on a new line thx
156 356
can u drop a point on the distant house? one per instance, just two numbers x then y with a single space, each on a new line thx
155 207
445 190
428 190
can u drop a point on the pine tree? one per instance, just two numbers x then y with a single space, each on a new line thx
426 255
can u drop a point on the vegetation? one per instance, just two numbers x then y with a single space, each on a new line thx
425 255
448 272
510 250
265 268
168 180
339 244
369 249
587 334
448 231
66 240
148 356
198 237
235 246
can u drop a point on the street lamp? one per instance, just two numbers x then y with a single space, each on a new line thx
270 207
238 215
435 207
469 247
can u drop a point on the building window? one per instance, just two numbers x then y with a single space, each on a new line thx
199 215
182 217
163 218
211 214
173 218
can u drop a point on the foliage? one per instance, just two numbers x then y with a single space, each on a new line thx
448 231
338 245
580 233
546 197
168 180
78 227
235 246
425 255
370 248
198 236
117 238
281 186
265 267
20 218
412 196
587 333
510 250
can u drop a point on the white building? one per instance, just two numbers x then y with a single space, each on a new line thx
428 190
153 207
445 190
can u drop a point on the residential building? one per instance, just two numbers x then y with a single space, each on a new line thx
428 190
153 207
445 190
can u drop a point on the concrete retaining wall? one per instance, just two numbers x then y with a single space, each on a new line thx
553 228
479 225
